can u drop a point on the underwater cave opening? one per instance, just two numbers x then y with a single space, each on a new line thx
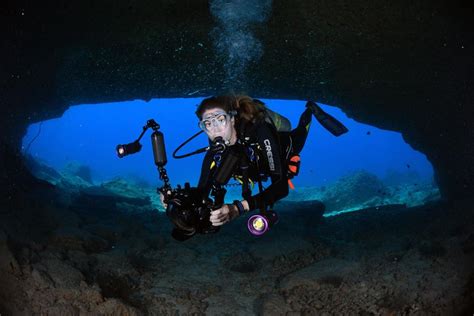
366 167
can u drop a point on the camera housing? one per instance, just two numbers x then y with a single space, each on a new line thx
187 209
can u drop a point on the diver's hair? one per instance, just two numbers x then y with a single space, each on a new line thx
248 109
223 102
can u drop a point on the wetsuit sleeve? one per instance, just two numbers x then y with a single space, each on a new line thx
278 189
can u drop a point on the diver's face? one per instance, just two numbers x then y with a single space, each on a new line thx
216 122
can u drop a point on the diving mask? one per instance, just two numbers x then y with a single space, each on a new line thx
218 119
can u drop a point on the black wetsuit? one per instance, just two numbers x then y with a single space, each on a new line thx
273 150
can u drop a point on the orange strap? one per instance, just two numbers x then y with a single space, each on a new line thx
291 184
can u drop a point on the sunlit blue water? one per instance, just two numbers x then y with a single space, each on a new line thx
89 134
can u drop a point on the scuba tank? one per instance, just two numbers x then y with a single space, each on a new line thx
281 123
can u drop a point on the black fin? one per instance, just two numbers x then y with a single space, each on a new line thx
327 121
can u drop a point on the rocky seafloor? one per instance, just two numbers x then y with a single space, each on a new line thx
92 252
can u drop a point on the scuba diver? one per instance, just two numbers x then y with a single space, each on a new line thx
254 144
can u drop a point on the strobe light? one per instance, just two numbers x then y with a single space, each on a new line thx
128 149
259 224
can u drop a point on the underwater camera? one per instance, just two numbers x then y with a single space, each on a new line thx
189 212
187 208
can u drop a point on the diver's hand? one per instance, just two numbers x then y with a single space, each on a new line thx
162 199
224 214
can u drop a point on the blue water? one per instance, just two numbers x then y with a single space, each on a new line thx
89 134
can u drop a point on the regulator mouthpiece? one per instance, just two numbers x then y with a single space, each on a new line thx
218 145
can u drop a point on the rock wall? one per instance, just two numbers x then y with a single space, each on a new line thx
404 65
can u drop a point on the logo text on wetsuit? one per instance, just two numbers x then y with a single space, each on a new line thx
268 147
